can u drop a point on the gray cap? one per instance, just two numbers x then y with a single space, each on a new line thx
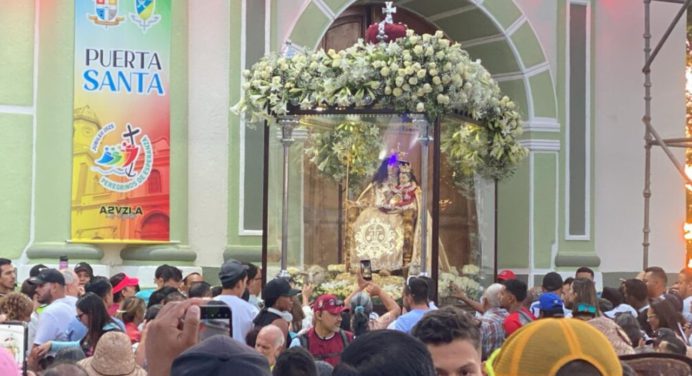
231 270
220 355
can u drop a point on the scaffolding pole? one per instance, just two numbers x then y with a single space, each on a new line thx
651 136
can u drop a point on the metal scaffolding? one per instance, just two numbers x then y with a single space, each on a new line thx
651 136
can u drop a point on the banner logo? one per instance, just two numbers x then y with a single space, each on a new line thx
120 160
145 17
106 13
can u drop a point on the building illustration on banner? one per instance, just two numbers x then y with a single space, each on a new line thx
138 213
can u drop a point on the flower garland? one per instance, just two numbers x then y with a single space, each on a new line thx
417 73
351 148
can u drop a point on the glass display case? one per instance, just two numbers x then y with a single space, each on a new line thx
346 186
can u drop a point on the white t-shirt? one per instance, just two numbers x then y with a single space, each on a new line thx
242 314
687 308
53 321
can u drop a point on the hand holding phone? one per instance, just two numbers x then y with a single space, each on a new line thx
215 318
366 270
62 265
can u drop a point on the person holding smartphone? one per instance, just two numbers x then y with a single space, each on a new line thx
363 319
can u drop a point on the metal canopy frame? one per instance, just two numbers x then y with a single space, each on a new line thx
651 136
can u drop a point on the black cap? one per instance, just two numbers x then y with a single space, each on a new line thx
48 276
84 267
217 356
277 288
552 282
33 272
231 270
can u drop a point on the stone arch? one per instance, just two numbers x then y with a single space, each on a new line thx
154 225
495 31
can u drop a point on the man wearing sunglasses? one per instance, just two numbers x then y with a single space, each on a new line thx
326 340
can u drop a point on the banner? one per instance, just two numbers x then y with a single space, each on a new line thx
121 141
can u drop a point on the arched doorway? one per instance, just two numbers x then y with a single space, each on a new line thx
155 227
497 33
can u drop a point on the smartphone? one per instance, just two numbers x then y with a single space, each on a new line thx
14 338
366 270
63 263
216 318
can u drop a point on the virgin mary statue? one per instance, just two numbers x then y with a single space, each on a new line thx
384 223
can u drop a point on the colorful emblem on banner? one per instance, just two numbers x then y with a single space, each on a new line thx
120 159
106 13
145 16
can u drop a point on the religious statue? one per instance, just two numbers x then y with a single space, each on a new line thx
383 223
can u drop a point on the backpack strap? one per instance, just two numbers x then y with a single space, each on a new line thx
344 338
304 341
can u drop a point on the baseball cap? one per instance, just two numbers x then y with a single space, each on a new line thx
48 276
231 270
329 303
552 282
84 267
506 275
125 282
550 302
218 355
33 272
277 288
544 346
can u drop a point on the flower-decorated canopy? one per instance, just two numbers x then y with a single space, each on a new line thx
414 74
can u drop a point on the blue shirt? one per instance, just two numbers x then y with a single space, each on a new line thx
407 321
145 295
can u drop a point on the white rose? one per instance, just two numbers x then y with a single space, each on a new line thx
384 72
420 107
397 92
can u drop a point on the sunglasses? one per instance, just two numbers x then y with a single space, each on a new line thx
585 308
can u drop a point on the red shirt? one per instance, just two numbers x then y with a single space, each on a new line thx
328 349
133 332
516 320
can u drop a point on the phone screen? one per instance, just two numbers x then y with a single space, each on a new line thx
366 270
63 263
215 318
14 338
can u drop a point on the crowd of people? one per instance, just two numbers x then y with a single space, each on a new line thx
82 324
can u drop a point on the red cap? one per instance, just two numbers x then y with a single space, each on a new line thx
329 303
127 281
506 275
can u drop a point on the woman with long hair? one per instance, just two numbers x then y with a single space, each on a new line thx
93 314
131 313
582 299
362 318
662 314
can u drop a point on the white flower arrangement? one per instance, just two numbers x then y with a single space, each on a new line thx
341 283
425 74
348 151
468 282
